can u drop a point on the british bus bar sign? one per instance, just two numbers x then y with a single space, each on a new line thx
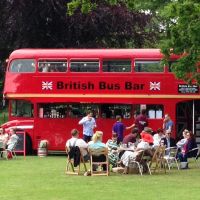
188 89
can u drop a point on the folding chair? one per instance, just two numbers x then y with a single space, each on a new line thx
137 161
171 157
71 168
158 160
98 158
197 150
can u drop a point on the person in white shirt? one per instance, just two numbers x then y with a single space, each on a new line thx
76 141
146 140
89 124
181 142
12 139
157 137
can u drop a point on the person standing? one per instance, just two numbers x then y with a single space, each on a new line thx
119 128
168 124
89 124
141 121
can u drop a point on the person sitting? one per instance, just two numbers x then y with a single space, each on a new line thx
97 144
181 142
144 144
76 141
185 151
112 146
131 137
192 145
3 139
168 140
13 139
157 137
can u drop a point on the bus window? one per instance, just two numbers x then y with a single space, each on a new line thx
52 66
52 110
155 111
80 110
84 66
117 66
111 110
148 66
22 65
21 108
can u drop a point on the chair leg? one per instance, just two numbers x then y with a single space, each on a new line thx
140 169
148 166
168 164
177 164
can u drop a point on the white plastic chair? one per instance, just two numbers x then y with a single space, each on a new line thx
197 155
170 157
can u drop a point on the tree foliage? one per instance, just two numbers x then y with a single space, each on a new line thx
179 28
182 21
46 24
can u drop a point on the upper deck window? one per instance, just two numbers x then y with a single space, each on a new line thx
84 66
52 66
148 66
117 66
22 65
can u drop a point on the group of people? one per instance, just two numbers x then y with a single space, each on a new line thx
8 140
141 137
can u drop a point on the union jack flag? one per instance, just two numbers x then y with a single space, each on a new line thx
46 85
154 85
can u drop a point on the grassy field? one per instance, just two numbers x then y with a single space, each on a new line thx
44 178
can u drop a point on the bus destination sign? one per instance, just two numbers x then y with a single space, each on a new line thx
188 89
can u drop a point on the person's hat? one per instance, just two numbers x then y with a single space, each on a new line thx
147 137
148 129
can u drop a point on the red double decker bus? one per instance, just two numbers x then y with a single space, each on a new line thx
50 90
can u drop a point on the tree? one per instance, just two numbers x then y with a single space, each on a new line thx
179 30
182 22
45 24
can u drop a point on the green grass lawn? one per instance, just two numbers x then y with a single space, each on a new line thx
44 178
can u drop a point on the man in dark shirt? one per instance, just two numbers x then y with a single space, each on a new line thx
131 137
168 140
141 121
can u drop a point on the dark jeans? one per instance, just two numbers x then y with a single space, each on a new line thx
182 157
87 138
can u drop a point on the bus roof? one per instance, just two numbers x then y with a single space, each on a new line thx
86 53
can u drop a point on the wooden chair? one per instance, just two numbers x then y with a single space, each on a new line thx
158 162
70 168
94 155
171 157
